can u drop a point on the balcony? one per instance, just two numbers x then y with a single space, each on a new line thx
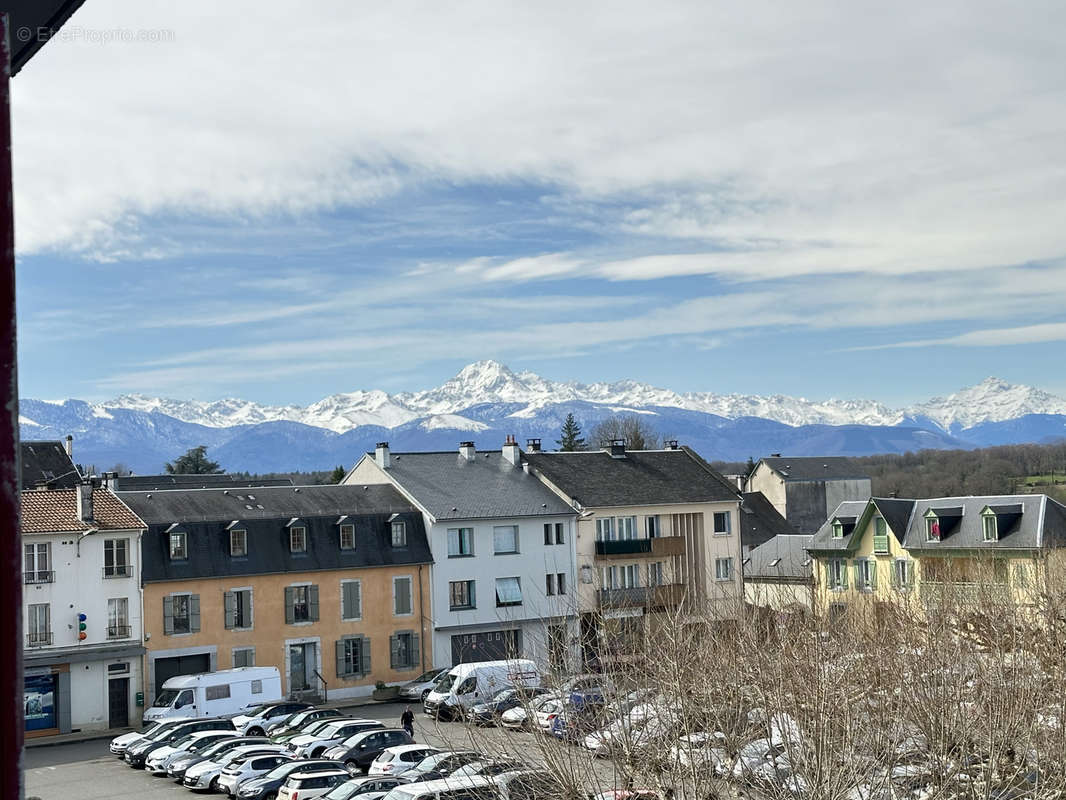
650 598
659 547
38 638
40 576
118 571
119 631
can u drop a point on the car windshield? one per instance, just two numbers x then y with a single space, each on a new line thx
332 729
344 790
165 698
184 741
429 763
254 711
425 677
445 682
198 745
503 694
317 725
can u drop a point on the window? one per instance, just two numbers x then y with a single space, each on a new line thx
655 574
217 692
626 528
508 592
243 657
559 528
460 595
399 533
903 573
118 618
297 539
880 535
723 569
181 614
353 656
625 577
351 600
722 524
38 563
548 537
238 542
116 558
257 687
836 574
838 529
403 650
178 549
605 529
932 529
301 604
560 583
401 596
549 584
652 526
505 539
865 574
989 526
38 625
237 607
347 537
460 542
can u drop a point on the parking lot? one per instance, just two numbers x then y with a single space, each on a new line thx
87 770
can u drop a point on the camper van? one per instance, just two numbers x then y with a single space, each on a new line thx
215 694
467 684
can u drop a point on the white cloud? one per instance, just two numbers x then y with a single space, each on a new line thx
990 337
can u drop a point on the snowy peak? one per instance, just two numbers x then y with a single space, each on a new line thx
991 400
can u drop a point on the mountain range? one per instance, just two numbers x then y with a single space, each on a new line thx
486 401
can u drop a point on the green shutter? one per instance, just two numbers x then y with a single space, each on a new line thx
168 616
828 575
194 613
394 652
364 654
229 604
843 573
341 647
412 652
873 574
893 577
290 600
312 602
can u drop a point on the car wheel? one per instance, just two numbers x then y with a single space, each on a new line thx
425 694
213 786
255 732
352 766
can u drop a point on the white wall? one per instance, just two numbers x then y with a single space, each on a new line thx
772 485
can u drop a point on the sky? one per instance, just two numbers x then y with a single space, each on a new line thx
279 202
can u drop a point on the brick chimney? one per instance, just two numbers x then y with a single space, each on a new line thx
467 450
618 448
381 455
512 453
84 492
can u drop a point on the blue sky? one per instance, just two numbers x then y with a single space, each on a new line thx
816 202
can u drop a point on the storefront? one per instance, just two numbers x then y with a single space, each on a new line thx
40 700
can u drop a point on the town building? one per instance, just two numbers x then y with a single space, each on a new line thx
654 528
779 574
805 490
81 609
503 550
328 583
48 465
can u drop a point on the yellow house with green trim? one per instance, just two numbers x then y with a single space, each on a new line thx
924 553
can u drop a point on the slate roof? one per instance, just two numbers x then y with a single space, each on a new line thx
825 468
47 461
760 521
823 538
451 487
1041 523
131 483
595 479
56 510
789 551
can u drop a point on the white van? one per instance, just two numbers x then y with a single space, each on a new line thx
467 684
215 694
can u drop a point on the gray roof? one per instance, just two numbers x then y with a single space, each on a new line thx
488 486
823 538
595 479
191 505
783 557
132 483
1040 522
47 462
760 521
825 468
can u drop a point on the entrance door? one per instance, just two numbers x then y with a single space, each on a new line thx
302 666
488 646
180 665
118 702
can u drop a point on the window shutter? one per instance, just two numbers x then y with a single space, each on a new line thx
843 574
894 577
413 656
473 598
194 613
857 565
229 602
873 574
394 651
312 602
168 615
364 654
828 574
340 658
290 614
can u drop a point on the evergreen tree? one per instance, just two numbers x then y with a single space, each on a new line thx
338 474
571 435
194 462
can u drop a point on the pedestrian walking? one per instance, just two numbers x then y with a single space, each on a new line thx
407 722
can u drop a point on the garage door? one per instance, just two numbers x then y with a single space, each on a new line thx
488 646
180 665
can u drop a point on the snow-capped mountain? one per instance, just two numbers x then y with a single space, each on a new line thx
992 400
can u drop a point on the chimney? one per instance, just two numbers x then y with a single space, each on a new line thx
381 455
85 500
618 448
775 455
532 445
512 453
467 451
672 444
69 445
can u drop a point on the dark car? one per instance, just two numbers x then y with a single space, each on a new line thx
488 713
137 753
440 765
212 753
265 787
358 750
300 719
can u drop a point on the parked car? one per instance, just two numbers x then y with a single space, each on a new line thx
543 715
188 696
266 786
313 745
762 761
309 785
527 785
704 750
205 775
180 766
586 690
466 684
138 751
357 752
518 718
253 721
489 712
397 760
445 789
250 766
314 726
632 734
440 765
489 768
158 760
419 687
368 787
573 726
299 720
120 743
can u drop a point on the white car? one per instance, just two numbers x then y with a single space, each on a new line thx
311 745
632 733
762 760
253 721
160 758
205 775
248 767
517 719
369 787
309 785
397 760
120 743
702 750
545 713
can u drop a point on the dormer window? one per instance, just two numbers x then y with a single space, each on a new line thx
297 539
399 533
990 525
347 537
179 550
932 527
838 529
238 542
880 535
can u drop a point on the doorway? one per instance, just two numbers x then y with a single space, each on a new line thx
303 662
118 703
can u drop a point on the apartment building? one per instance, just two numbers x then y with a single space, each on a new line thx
503 551
806 490
81 609
328 583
